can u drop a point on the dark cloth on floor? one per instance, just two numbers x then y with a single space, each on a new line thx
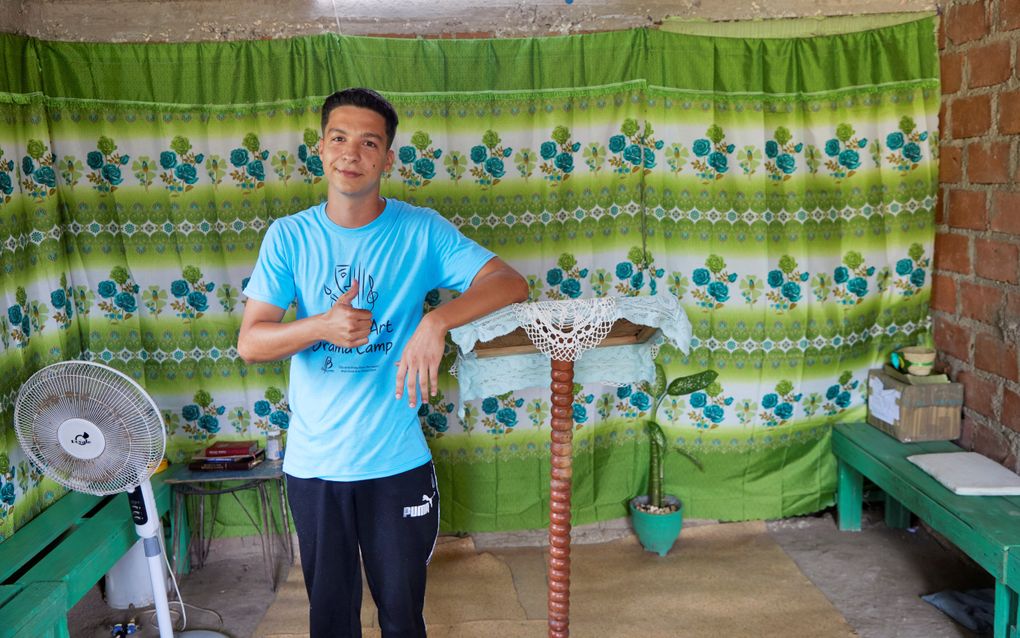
974 609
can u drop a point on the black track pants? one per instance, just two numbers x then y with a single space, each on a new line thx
394 522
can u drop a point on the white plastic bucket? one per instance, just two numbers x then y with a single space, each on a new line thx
127 582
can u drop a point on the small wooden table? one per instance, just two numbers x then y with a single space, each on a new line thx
987 528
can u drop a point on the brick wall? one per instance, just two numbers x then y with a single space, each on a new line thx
976 284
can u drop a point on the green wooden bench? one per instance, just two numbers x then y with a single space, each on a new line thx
53 561
38 610
987 528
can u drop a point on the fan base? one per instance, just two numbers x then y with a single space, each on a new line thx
199 633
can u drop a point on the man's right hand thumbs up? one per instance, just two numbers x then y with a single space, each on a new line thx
343 324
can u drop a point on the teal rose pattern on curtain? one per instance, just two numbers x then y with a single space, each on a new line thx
791 215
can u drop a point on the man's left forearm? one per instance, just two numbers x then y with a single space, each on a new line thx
496 285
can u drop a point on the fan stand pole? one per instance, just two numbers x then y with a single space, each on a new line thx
149 531
562 387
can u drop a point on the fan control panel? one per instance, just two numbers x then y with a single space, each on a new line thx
137 506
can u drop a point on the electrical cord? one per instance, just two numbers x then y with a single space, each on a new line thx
180 599
150 615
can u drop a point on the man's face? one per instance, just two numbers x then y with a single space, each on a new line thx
353 152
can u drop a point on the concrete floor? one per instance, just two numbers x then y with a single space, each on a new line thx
874 577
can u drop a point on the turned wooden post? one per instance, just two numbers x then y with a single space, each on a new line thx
551 340
562 387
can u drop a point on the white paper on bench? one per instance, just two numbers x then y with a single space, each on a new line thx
968 473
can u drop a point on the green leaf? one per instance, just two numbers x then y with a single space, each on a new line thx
690 457
105 145
659 387
691 383
566 261
655 433
490 139
191 274
421 140
180 145
657 444
36 149
715 133
203 398
907 124
782 135
251 142
119 274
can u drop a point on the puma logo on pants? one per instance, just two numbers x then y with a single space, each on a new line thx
415 511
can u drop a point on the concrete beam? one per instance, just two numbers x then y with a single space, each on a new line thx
198 20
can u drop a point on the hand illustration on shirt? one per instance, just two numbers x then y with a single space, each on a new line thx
343 277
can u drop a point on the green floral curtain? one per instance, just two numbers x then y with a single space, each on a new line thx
783 188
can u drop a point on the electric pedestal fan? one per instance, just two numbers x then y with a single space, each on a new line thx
94 430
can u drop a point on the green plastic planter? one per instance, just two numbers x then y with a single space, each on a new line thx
657 532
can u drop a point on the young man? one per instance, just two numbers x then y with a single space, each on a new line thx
359 473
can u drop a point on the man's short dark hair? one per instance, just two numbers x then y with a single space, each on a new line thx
366 99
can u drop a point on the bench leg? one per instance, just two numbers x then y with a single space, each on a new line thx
849 496
896 516
1005 611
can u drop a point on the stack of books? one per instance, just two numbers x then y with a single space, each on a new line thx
228 455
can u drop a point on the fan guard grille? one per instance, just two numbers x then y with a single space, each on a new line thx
113 402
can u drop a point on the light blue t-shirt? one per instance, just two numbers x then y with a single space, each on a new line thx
346 424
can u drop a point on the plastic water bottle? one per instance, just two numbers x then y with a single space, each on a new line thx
274 445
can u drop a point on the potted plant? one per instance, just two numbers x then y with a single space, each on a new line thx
658 517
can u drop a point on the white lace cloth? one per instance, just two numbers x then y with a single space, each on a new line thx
567 330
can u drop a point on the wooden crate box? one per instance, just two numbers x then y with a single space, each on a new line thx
908 412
